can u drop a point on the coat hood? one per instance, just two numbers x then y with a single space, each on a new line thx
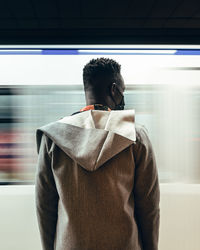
91 137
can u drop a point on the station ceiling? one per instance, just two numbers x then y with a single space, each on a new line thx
100 22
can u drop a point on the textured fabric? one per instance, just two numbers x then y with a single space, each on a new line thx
97 184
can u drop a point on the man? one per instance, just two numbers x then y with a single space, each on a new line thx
97 184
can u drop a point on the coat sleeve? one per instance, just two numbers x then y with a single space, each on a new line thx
146 193
46 195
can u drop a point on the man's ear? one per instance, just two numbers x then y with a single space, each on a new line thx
113 89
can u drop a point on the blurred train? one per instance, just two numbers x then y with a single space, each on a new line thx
40 85
162 85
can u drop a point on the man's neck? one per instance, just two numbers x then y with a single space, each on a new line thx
96 107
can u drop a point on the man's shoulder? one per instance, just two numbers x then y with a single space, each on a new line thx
140 128
143 147
142 135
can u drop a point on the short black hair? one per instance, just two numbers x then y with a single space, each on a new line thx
100 71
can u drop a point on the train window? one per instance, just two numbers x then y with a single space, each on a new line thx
40 84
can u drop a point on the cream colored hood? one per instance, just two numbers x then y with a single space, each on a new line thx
92 137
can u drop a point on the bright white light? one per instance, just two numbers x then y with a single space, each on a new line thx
129 51
20 50
67 69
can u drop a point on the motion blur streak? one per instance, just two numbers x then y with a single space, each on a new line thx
170 113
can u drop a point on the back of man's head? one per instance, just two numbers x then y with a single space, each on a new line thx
99 73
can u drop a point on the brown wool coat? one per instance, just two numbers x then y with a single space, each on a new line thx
97 185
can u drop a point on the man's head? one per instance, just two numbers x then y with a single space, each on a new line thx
103 83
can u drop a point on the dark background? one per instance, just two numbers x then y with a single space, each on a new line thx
99 22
